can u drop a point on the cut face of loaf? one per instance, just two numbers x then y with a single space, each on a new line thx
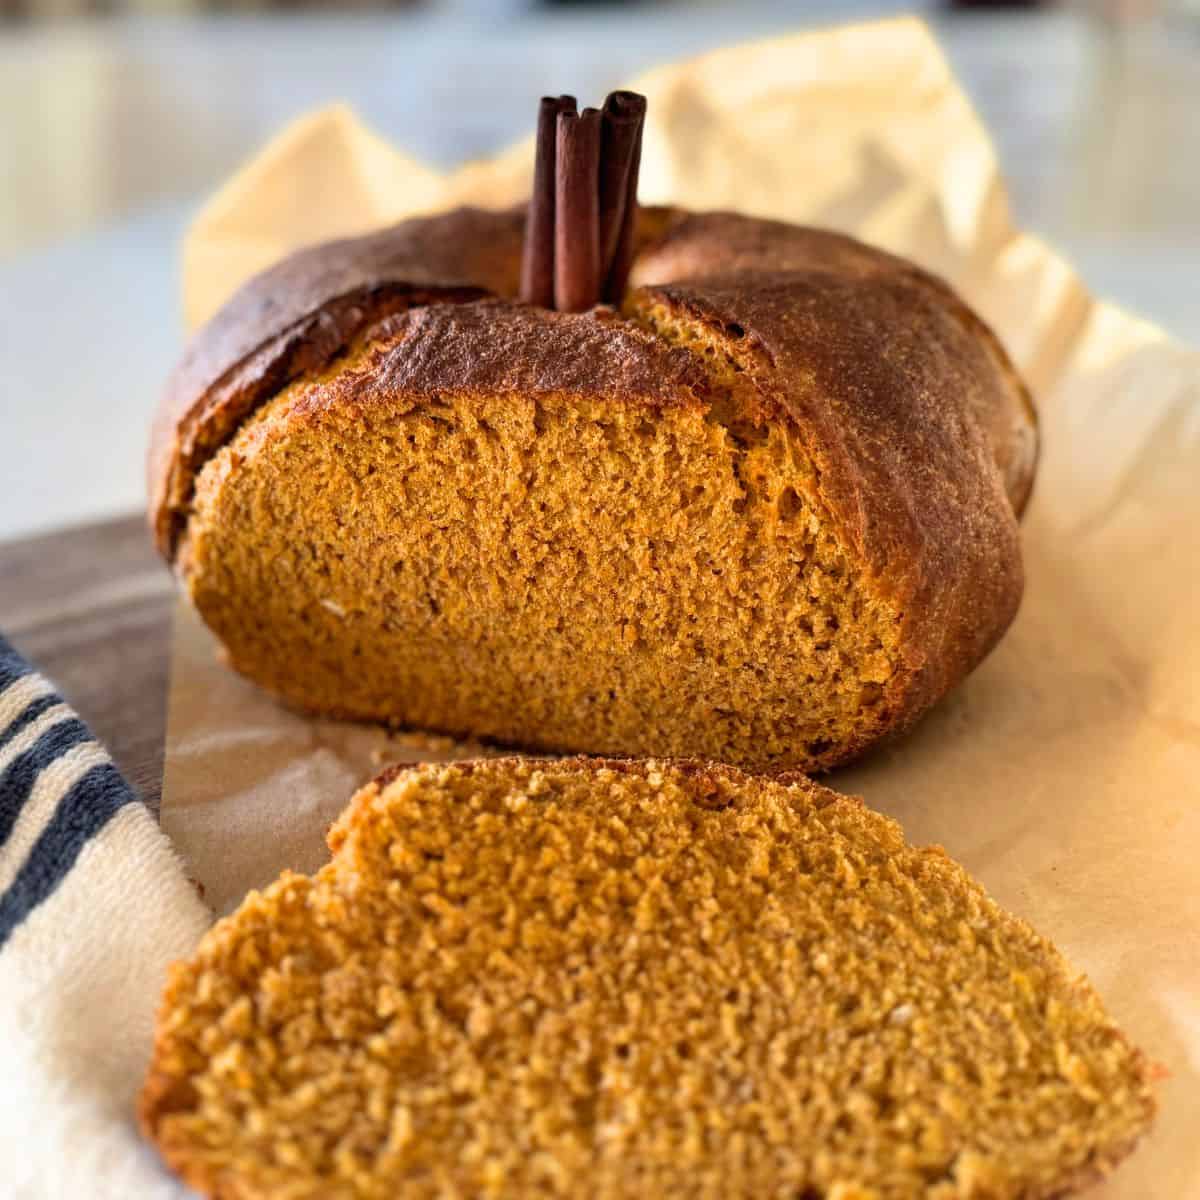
758 517
556 566
588 979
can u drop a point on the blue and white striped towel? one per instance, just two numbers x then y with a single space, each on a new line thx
94 904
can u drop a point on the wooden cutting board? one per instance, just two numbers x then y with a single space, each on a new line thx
90 607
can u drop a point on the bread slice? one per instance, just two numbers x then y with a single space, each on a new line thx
612 979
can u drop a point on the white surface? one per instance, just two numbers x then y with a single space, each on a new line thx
89 327
89 331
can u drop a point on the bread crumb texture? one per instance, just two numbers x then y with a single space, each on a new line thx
582 978
555 570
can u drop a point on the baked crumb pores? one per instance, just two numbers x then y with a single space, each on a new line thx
581 978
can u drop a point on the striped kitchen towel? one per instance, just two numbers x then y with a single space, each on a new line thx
94 904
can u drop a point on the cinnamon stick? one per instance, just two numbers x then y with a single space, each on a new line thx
577 267
620 151
582 217
537 260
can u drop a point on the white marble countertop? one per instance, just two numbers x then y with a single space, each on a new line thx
105 169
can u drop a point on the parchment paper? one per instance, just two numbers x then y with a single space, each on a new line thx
1064 772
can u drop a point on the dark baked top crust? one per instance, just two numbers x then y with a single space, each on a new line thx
495 347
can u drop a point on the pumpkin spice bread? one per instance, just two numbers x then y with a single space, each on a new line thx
612 979
765 512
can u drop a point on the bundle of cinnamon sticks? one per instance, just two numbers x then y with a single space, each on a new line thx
582 215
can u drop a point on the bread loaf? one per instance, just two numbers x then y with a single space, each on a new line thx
580 978
766 514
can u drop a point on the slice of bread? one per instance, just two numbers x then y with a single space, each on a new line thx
606 979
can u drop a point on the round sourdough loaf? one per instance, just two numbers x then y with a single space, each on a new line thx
766 513
580 978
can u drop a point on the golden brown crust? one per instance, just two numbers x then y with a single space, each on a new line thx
612 978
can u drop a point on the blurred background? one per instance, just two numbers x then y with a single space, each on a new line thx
117 117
